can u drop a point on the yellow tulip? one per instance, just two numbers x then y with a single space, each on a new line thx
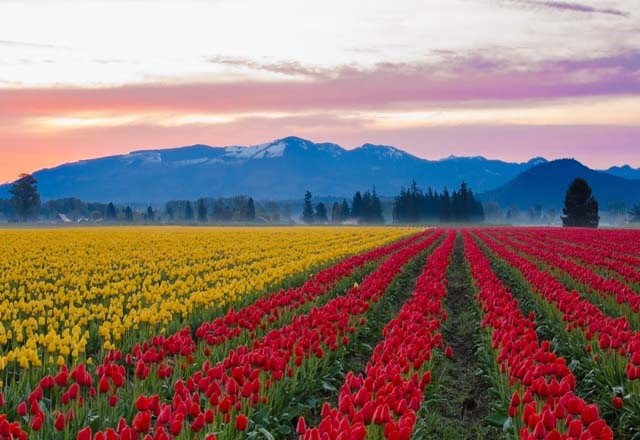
60 288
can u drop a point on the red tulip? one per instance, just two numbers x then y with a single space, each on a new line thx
448 352
618 403
575 428
141 422
301 427
84 434
36 423
589 414
515 399
241 422
59 423
103 385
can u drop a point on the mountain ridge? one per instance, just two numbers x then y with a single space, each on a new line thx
280 169
546 184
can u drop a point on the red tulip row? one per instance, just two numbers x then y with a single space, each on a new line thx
625 266
614 335
384 401
543 402
619 243
263 312
220 396
117 372
615 244
605 287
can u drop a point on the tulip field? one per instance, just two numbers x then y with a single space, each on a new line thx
319 333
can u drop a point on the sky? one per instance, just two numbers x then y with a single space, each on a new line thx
506 79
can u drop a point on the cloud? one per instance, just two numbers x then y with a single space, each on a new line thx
22 44
289 68
453 82
570 6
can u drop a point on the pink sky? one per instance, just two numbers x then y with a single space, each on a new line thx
431 79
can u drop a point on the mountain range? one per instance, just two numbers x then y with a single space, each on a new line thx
546 184
286 168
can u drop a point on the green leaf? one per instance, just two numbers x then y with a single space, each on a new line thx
266 434
327 386
497 419
284 429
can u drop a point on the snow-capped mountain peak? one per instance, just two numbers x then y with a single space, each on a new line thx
262 151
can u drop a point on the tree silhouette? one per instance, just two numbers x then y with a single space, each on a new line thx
307 208
111 214
344 210
202 211
321 213
375 211
25 197
150 216
356 206
580 207
128 214
251 210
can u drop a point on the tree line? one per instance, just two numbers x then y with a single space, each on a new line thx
415 206
412 205
25 205
365 208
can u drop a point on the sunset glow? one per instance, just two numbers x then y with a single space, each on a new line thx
509 79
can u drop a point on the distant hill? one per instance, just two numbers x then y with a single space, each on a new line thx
625 171
282 169
546 184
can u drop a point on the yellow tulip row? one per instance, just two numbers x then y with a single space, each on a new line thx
61 288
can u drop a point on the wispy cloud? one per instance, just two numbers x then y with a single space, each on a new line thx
452 81
23 44
570 6
289 68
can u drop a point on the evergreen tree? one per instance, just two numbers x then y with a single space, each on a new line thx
111 214
188 212
415 202
431 205
356 206
307 209
321 213
128 214
365 212
149 217
25 197
169 211
412 205
251 210
201 209
344 210
580 207
375 210
464 214
400 207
